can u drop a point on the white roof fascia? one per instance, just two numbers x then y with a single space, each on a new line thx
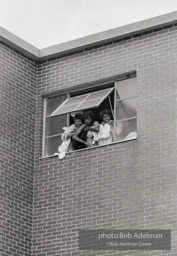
107 36
55 51
19 44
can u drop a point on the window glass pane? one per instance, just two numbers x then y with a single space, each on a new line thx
53 103
100 94
51 145
126 88
55 124
89 104
75 100
125 130
65 109
126 108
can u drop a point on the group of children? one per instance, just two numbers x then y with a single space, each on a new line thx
85 132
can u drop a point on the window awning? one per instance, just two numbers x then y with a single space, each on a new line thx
86 101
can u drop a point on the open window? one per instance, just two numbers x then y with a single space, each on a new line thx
82 102
119 97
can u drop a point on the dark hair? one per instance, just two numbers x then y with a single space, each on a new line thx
88 114
78 116
104 112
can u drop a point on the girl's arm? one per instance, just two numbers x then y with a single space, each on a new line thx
69 135
111 122
95 127
76 138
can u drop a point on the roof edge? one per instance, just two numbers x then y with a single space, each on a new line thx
108 35
80 44
19 44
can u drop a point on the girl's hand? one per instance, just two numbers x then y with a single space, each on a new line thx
87 144
111 122
90 136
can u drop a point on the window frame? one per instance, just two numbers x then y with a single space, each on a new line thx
97 86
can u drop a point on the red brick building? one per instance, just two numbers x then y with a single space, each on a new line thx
128 184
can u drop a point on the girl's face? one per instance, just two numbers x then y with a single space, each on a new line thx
88 120
106 118
78 123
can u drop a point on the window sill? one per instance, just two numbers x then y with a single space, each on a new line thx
128 138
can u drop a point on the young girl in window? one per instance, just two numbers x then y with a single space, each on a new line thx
84 136
66 145
105 135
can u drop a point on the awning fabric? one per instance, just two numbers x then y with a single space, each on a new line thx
82 102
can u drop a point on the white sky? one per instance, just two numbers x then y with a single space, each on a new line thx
48 22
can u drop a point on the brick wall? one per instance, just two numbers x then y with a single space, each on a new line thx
18 107
130 185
